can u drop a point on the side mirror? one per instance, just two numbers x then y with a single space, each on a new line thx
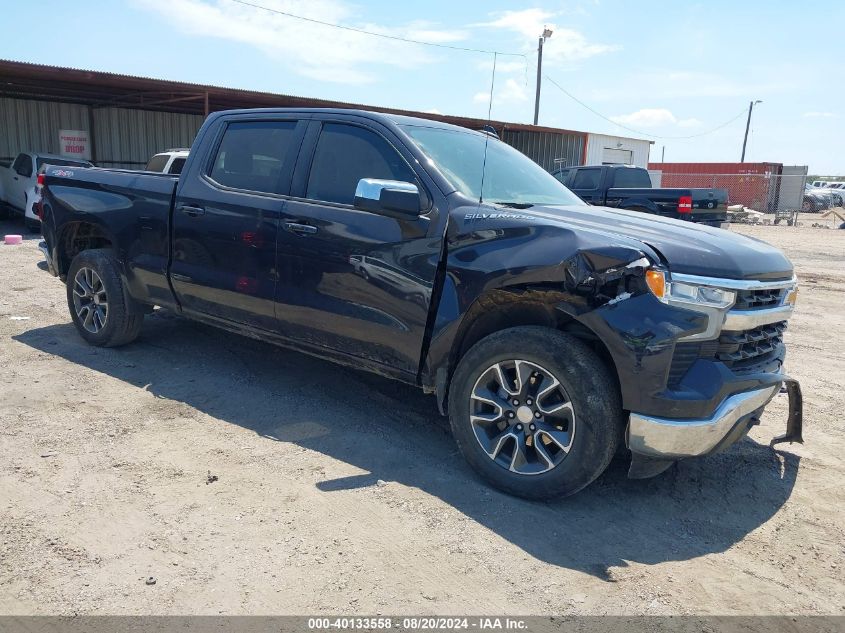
393 198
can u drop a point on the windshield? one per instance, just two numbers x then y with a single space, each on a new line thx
510 177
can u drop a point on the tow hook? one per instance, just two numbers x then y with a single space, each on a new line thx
795 421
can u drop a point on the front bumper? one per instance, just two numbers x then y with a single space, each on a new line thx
672 439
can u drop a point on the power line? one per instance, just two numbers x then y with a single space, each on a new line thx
397 38
624 127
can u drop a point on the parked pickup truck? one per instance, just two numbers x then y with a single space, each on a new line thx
18 190
629 187
549 331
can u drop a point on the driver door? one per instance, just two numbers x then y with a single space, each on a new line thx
353 281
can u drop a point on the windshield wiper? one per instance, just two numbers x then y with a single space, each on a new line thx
513 205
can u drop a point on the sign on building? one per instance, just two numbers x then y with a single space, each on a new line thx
75 144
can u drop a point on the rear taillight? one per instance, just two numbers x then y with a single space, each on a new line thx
685 204
39 181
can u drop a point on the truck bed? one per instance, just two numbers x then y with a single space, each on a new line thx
131 208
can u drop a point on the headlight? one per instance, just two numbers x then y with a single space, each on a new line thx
680 292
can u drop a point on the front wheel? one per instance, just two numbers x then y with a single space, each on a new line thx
98 303
535 412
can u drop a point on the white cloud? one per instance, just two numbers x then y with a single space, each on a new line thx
313 50
818 115
432 111
527 22
565 45
511 91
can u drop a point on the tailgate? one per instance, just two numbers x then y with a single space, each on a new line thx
709 206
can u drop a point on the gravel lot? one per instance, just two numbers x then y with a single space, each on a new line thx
342 492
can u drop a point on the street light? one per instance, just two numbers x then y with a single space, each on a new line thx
547 33
747 125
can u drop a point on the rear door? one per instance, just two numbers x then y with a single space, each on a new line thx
352 281
225 221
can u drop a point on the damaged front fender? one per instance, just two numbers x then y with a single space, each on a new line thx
574 271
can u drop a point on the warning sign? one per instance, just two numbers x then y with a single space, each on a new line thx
75 144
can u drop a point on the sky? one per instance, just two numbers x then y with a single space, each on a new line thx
665 69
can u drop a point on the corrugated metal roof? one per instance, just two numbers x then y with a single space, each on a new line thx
23 80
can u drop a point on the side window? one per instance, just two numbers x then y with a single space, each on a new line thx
177 165
345 154
24 165
586 179
252 154
563 175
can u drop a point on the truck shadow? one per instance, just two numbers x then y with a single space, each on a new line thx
394 433
16 226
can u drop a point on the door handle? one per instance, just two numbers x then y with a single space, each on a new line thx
300 229
191 210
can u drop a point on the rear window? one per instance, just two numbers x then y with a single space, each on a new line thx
157 163
252 154
628 178
177 165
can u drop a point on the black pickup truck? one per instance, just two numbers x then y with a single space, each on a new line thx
550 331
629 187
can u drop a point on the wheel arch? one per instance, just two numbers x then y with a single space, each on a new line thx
503 309
640 205
75 237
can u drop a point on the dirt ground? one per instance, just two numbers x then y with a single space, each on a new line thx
340 492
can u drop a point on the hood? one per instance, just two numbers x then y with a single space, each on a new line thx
686 247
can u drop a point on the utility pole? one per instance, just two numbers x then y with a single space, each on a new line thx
747 125
547 33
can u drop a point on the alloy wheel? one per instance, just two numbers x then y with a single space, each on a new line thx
522 417
90 300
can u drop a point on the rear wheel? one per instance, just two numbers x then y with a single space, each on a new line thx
535 412
98 303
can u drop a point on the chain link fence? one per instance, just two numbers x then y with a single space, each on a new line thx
764 193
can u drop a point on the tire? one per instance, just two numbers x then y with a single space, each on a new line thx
119 323
590 431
